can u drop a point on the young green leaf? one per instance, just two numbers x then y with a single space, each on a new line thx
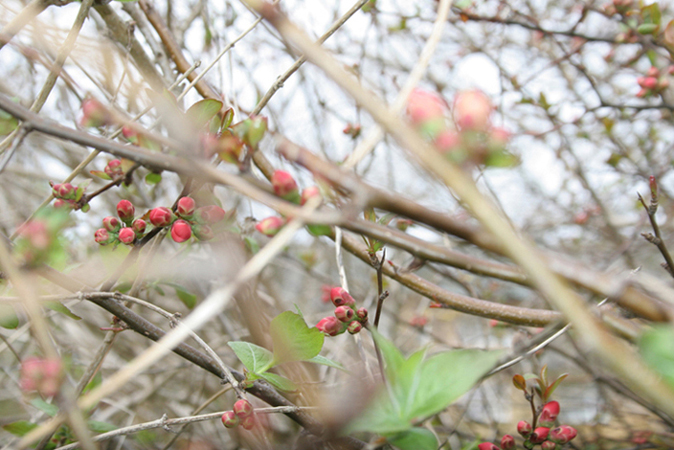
256 359
8 317
19 428
203 111
60 308
656 349
47 408
293 339
279 382
318 359
100 427
414 439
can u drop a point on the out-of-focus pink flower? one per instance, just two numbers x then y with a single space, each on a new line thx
472 110
423 106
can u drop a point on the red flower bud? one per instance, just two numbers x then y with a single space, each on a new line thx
186 207
65 191
487 446
344 313
249 422
653 72
340 297
243 408
210 214
181 231
549 414
285 186
524 428
125 211
330 326
127 236
362 314
423 106
507 442
139 227
230 419
648 82
472 110
548 445
111 223
37 234
102 236
354 327
161 216
270 226
539 435
42 375
94 114
310 192
447 141
114 168
562 435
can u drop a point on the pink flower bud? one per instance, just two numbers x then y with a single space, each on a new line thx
447 141
423 106
249 422
127 236
181 231
653 72
354 327
229 419
210 214
330 326
125 211
642 93
111 223
203 232
94 114
548 445
663 83
161 216
310 192
65 191
270 226
42 375
472 110
539 435
37 234
362 314
102 236
649 83
186 207
487 446
139 226
524 428
340 297
344 313
507 442
549 414
66 204
114 168
243 408
562 435
285 186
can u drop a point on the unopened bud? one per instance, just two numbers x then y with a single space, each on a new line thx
423 106
340 297
548 445
181 231
330 326
127 236
344 314
139 227
285 186
539 435
472 110
524 428
310 192
270 226
243 408
203 232
102 236
114 168
653 72
507 442
42 375
210 214
249 422
487 446
125 211
111 223
362 314
562 435
94 114
230 419
354 327
65 191
186 207
161 216
549 414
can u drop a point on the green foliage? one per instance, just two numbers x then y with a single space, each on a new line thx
8 123
48 408
8 317
19 428
657 350
203 111
414 439
60 308
419 387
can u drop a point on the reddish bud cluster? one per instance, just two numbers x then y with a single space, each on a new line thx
473 140
242 414
189 220
126 232
346 318
42 375
68 196
654 83
94 114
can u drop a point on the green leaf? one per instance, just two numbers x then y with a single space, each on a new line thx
251 244
189 299
293 339
279 382
319 230
551 389
47 408
256 359
8 317
100 174
203 111
61 308
100 427
414 439
94 383
657 349
20 428
8 123
651 13
420 388
318 359
153 178
647 28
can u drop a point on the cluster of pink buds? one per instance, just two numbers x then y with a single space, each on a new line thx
545 434
188 220
347 316
134 135
230 143
113 170
68 196
618 7
285 186
126 229
94 114
42 375
352 130
242 414
473 140
654 82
